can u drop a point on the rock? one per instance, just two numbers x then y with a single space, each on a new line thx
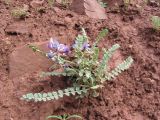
17 28
78 6
26 7
154 3
89 7
24 61
36 3
56 9
68 20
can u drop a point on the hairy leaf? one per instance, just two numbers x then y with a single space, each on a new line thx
53 95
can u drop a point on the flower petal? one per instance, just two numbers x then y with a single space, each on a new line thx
63 48
85 45
53 44
50 54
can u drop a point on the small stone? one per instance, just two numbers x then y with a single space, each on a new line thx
130 46
68 20
56 9
25 7
24 61
36 3
8 42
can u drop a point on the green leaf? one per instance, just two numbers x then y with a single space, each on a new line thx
60 92
54 116
81 72
60 60
121 67
44 74
81 39
44 99
96 87
48 98
74 116
107 55
78 90
95 94
30 96
55 95
88 74
96 54
70 71
101 35
67 92
72 91
51 2
156 22
84 90
104 5
44 95
51 95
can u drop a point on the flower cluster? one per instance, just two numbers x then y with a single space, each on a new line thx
56 47
84 46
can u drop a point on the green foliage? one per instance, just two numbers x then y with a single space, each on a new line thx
156 22
41 10
7 2
36 49
19 13
64 117
51 2
121 67
70 73
66 3
54 95
84 68
106 57
103 4
101 35
126 2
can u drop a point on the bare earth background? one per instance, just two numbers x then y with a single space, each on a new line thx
134 95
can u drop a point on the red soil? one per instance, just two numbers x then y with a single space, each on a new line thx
134 95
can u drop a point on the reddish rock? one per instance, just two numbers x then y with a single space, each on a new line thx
68 20
89 7
57 10
36 3
17 28
24 61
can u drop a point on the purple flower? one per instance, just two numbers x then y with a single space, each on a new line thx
66 65
75 44
53 44
84 46
63 48
50 54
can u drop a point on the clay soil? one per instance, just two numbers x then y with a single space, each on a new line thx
134 95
